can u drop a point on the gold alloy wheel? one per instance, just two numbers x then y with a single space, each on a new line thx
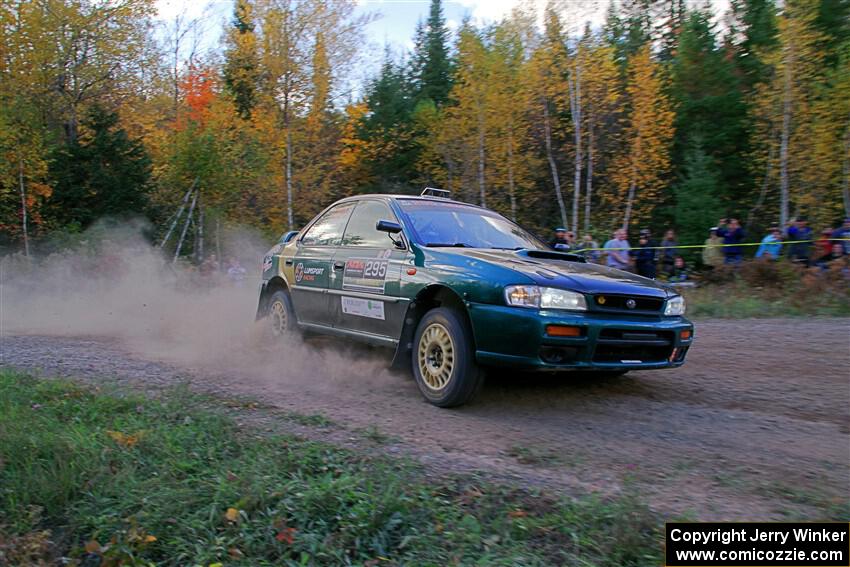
279 318
436 356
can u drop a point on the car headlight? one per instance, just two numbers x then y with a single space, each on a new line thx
544 297
675 306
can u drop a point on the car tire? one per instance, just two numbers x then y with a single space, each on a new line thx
443 359
281 315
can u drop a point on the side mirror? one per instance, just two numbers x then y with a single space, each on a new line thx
287 236
388 226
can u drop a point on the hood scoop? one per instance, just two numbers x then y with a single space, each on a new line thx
551 255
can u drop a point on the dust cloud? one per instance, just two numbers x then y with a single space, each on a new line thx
114 284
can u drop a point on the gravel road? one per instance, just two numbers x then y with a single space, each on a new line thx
755 426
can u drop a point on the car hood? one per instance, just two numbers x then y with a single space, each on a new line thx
557 269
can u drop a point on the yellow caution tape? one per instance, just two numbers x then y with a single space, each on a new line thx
779 242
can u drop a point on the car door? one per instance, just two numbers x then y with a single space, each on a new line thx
312 265
364 287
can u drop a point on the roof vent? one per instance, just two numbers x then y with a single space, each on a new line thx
434 192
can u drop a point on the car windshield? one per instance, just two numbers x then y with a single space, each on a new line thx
436 223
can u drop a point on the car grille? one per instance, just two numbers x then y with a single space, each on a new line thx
627 303
619 345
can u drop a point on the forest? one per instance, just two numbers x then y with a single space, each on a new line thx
668 115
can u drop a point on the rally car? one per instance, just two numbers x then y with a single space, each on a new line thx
455 288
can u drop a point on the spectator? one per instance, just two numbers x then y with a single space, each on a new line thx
771 245
560 241
618 250
236 273
680 271
669 252
836 252
590 248
733 235
823 246
800 234
712 254
839 262
842 234
644 256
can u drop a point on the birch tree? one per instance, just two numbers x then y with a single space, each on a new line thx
643 166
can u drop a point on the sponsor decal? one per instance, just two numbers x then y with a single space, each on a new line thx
365 274
308 274
267 263
385 253
373 309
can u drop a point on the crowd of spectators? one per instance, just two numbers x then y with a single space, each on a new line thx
725 246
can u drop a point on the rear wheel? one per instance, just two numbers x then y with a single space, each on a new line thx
444 359
281 315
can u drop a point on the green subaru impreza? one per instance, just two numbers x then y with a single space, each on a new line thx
455 288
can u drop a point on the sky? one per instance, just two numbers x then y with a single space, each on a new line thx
395 20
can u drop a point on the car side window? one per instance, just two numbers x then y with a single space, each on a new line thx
361 228
327 231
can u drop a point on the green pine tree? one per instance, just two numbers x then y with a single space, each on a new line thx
101 173
697 206
710 106
432 67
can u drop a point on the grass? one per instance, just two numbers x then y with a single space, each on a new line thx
106 478
741 301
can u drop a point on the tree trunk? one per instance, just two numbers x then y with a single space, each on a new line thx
481 186
218 238
574 86
511 191
631 197
589 180
289 215
786 135
24 207
845 189
764 185
186 226
547 135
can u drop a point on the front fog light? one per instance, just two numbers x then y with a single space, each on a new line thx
675 306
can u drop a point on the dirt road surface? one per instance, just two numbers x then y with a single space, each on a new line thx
755 426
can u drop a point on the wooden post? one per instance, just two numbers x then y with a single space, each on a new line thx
185 227
200 249
179 214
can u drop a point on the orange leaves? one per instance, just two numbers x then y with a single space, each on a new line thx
285 534
128 441
198 89
232 515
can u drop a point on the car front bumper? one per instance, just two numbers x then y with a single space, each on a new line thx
514 336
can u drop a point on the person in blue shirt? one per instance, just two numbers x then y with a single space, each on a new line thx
771 245
801 234
842 235
732 234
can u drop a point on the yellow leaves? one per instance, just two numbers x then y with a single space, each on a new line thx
125 440
232 515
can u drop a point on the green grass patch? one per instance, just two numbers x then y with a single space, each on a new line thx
741 301
107 478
